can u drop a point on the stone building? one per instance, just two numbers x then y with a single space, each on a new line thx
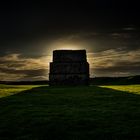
69 67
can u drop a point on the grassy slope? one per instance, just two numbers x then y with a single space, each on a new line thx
7 90
127 88
69 113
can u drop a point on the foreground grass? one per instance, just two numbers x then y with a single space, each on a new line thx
70 113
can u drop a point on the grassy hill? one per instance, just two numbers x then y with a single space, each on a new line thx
33 112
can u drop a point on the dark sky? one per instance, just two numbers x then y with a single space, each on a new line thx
108 29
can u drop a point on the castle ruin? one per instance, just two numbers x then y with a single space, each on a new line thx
69 67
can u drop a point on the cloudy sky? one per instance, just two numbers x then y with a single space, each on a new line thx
109 30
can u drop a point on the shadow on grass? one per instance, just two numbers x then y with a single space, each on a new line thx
70 113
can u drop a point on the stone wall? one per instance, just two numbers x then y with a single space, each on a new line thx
69 56
69 67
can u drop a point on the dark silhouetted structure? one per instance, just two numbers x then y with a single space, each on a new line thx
69 67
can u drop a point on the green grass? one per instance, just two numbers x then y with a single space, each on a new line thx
127 88
7 90
69 113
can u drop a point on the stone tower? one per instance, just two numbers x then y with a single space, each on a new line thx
69 67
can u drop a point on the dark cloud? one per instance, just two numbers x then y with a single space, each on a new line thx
29 32
21 68
112 62
30 73
115 63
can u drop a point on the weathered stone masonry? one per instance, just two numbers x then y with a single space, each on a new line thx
69 67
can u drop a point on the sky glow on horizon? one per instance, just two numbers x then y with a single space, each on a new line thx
30 31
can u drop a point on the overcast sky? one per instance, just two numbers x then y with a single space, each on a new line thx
108 29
